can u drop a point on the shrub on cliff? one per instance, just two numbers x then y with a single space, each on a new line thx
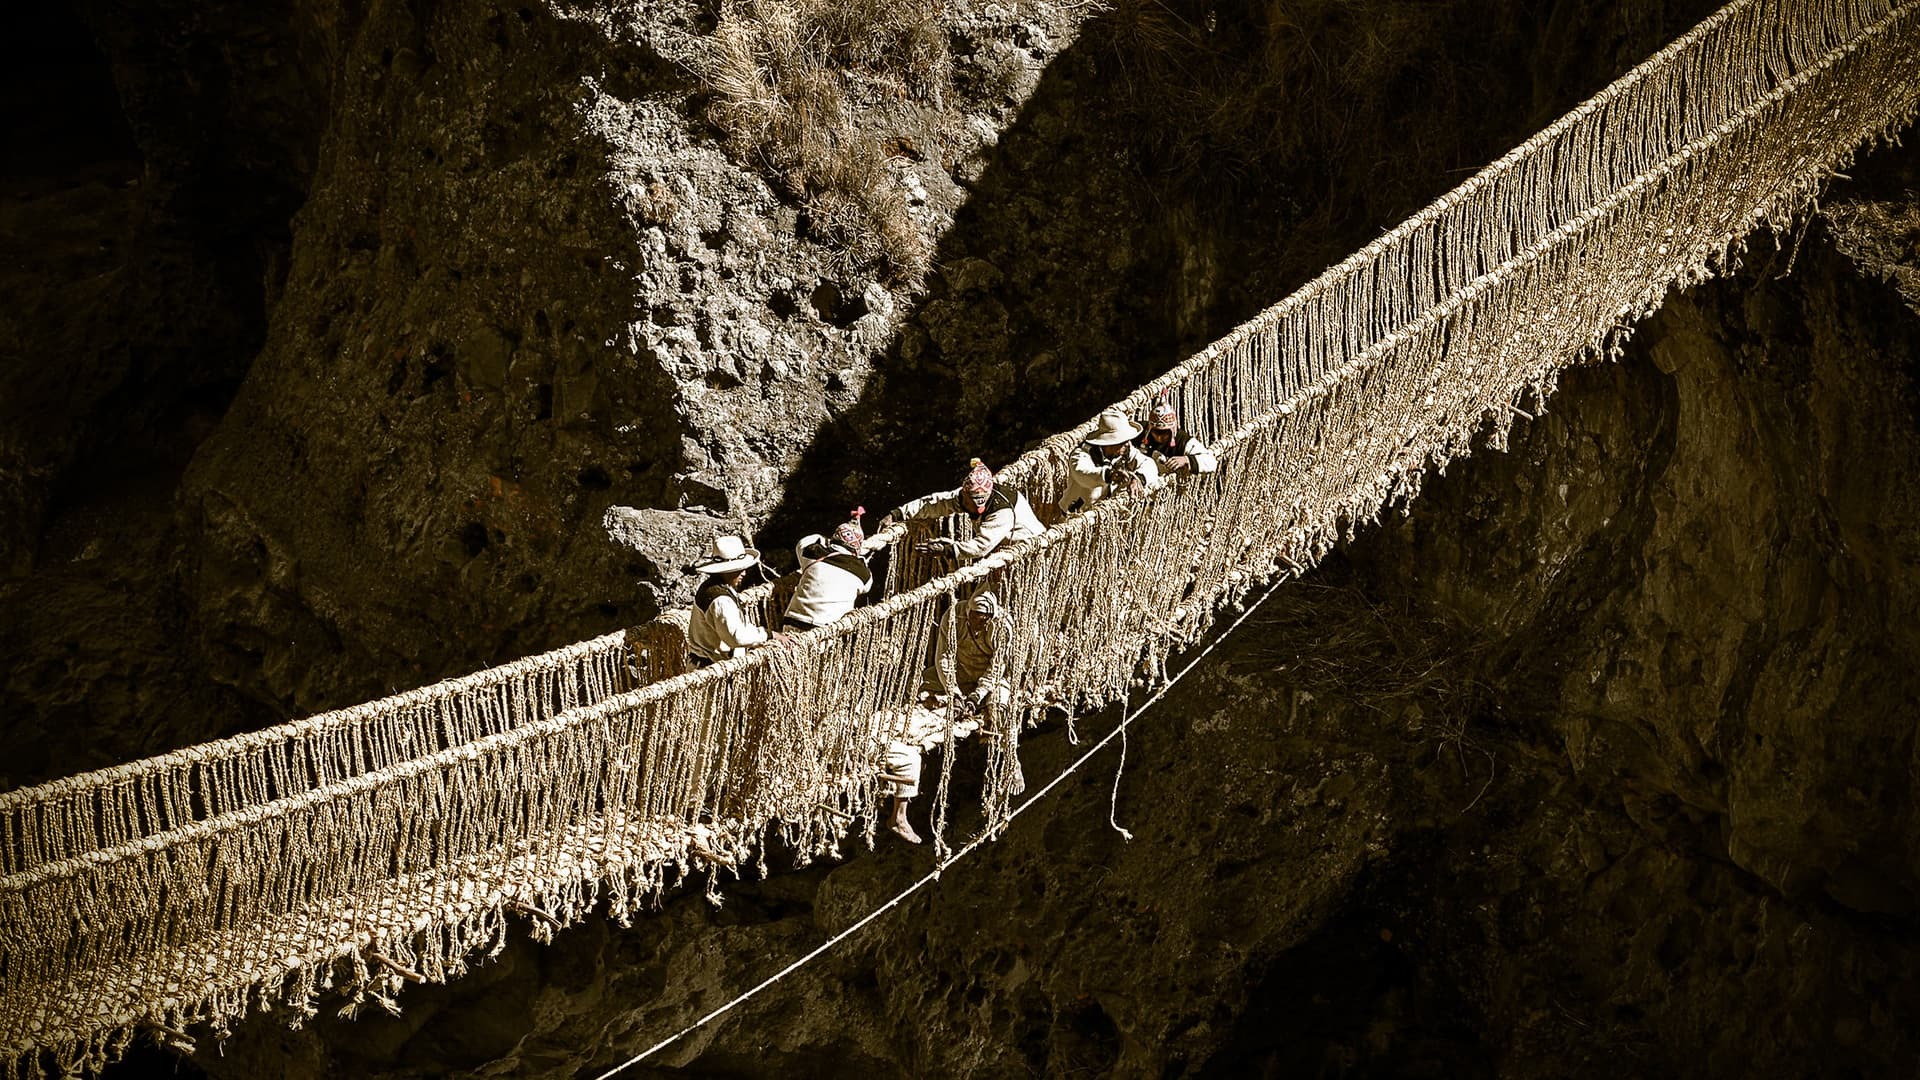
786 77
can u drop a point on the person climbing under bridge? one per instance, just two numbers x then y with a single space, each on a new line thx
1173 448
998 514
979 697
1108 464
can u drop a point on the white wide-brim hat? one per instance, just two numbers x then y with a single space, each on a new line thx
725 555
1112 428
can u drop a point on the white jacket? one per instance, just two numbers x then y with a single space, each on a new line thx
1087 479
720 629
1008 516
829 587
1190 445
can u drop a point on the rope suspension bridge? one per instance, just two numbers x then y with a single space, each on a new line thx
391 842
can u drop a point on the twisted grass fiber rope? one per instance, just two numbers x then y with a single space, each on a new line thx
971 846
1341 396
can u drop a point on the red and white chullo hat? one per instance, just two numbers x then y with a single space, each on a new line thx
849 534
1163 415
978 486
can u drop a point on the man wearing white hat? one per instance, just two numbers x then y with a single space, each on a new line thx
718 628
1108 464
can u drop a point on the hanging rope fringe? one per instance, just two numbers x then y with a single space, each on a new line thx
1113 803
1127 717
356 850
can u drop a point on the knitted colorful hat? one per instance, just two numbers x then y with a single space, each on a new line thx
1163 415
849 534
979 483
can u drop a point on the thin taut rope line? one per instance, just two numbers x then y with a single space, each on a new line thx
934 874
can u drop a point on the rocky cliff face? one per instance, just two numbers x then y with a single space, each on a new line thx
1599 761
1695 582
529 284
529 281
156 158
1600 757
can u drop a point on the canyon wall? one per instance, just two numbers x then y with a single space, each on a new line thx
340 336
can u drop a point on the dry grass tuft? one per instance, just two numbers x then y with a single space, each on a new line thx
1412 667
1883 237
786 75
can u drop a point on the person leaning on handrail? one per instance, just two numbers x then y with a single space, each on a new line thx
1108 464
1172 447
833 576
717 628
999 514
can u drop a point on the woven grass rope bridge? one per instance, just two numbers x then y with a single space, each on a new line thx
391 842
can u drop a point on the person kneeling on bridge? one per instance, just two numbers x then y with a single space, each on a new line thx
1173 448
833 576
718 628
1108 464
978 697
999 514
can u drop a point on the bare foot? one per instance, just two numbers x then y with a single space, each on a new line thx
897 822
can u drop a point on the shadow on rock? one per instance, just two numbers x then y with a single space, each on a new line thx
1177 169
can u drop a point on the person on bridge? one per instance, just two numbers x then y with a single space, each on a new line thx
979 697
718 628
1108 464
998 514
1172 447
833 576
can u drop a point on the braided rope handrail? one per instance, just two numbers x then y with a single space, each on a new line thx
154 794
318 723
1022 469
1435 344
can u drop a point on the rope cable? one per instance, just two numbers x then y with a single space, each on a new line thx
934 874
1113 803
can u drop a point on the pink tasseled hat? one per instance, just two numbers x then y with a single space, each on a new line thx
979 483
849 534
1163 415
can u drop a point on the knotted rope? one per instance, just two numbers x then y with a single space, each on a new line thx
394 840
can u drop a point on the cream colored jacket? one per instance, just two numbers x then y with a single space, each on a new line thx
720 629
1008 517
829 587
1087 480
